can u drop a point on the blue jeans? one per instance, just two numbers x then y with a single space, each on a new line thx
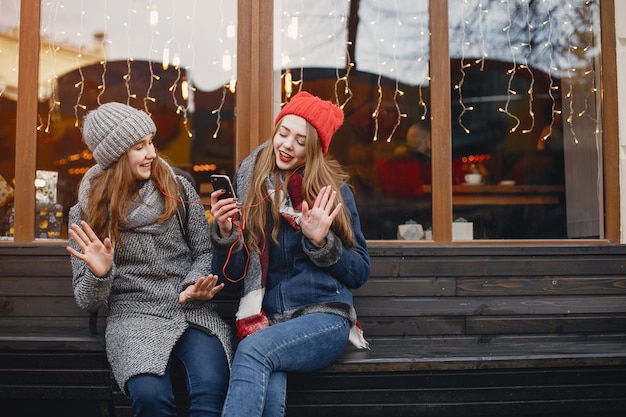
205 370
258 382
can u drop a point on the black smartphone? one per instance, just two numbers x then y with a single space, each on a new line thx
222 182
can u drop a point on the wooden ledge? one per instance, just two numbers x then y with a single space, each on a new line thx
419 354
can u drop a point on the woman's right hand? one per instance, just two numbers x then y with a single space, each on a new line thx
224 211
96 254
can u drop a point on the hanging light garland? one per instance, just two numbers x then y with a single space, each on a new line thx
102 86
459 86
80 85
511 72
50 87
551 68
226 66
379 89
423 33
292 33
126 77
181 109
525 65
396 92
344 80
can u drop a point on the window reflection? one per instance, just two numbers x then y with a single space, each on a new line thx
9 22
525 103
525 111
174 60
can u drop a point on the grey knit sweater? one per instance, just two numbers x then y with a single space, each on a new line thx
141 290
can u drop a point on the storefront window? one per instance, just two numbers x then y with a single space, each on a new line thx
523 99
377 70
175 60
525 112
9 54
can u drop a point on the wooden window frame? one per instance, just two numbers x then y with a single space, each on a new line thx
255 76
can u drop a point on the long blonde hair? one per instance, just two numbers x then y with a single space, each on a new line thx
111 194
319 171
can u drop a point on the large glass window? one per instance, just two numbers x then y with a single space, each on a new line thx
9 54
433 92
526 118
372 60
175 60
525 130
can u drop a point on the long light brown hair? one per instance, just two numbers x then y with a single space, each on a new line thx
319 170
112 192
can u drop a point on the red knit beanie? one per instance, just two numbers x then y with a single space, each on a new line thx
325 117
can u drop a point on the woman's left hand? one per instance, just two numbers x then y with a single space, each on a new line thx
316 221
203 289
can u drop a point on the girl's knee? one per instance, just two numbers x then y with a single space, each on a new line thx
151 395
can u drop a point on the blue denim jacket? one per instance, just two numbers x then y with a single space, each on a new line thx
300 274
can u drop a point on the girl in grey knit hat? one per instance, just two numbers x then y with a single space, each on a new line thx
130 254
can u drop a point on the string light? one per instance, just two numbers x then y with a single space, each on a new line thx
180 77
343 80
153 19
397 92
379 89
552 87
49 87
581 42
483 56
530 91
424 33
229 30
166 58
102 87
572 70
292 28
154 16
126 77
187 88
292 33
511 72
459 86
588 72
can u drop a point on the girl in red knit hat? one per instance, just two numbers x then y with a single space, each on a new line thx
293 239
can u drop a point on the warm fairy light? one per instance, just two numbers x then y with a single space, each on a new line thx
176 61
287 82
231 31
232 84
184 89
511 72
379 90
166 58
424 33
154 16
459 87
227 61
529 48
342 81
292 28
397 92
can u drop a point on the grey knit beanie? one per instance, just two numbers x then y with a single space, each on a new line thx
111 129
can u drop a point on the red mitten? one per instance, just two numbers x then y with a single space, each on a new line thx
251 324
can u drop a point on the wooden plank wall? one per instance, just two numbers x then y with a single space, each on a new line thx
472 295
36 292
441 291
421 291
487 292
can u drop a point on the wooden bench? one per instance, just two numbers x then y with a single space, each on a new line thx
454 331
